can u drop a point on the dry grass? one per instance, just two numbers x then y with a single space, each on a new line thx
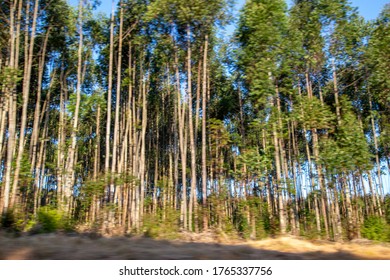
359 249
190 246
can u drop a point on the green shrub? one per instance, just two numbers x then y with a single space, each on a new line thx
24 222
240 220
8 220
51 220
17 222
387 208
375 228
155 226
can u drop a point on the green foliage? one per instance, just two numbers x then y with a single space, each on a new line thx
256 210
194 12
9 77
375 228
218 132
305 28
89 190
162 225
240 220
351 139
256 162
312 114
261 30
348 150
348 37
25 176
219 140
378 63
17 222
51 220
8 220
88 106
93 187
265 226
387 208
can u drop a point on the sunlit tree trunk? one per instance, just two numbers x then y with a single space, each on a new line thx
35 130
11 111
71 160
192 201
318 165
26 92
109 104
204 140
117 106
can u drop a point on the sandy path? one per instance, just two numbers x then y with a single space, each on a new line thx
81 247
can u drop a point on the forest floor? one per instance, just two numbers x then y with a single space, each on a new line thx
189 247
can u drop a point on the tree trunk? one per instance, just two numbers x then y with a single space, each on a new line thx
193 201
117 103
72 150
109 104
204 140
26 92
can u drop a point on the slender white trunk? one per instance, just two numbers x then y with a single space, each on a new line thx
26 92
109 97
69 182
204 141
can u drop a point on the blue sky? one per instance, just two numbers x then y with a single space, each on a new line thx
370 9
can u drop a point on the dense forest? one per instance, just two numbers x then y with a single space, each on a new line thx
150 122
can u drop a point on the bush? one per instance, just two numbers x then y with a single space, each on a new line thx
240 220
17 222
51 220
387 208
8 220
155 226
375 228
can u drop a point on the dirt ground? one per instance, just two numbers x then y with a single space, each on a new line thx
190 246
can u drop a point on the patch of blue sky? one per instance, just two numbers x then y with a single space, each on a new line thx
368 9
